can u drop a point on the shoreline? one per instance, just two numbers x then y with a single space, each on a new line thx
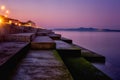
68 51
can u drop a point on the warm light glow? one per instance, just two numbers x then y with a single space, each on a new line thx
10 22
19 24
2 7
16 23
1 20
7 11
6 15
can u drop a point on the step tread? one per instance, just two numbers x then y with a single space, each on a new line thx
42 39
41 65
63 45
23 34
9 49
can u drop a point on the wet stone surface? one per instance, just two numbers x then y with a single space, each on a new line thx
43 42
55 36
41 65
63 45
42 39
9 49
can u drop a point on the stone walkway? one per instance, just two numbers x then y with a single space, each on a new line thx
41 65
9 49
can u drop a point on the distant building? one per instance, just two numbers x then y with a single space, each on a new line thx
28 24
7 20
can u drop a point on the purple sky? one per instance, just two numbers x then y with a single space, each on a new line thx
67 13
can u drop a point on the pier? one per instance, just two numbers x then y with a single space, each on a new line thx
41 54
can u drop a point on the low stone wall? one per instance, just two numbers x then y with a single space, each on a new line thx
12 29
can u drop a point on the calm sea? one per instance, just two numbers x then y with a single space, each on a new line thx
104 43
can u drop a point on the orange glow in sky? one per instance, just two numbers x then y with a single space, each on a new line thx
65 13
4 11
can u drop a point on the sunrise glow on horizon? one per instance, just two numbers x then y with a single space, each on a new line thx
66 13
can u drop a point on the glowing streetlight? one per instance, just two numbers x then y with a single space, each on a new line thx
1 20
4 11
19 24
10 22
16 23
2 7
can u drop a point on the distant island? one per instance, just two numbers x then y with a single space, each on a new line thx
82 29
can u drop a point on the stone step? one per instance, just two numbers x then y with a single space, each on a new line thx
41 65
43 33
10 53
43 42
55 36
66 40
81 69
21 37
67 49
45 30
91 56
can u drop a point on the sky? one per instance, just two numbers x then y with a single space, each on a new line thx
66 13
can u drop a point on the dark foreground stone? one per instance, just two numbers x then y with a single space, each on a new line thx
41 65
81 69
66 40
67 49
10 54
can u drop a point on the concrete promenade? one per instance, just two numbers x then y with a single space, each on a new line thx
45 55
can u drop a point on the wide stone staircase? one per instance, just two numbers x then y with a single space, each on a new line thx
37 56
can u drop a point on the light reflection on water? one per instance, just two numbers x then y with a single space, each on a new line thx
104 43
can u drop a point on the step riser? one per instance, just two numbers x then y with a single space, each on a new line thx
44 33
67 40
70 53
43 46
43 42
20 38
91 56
55 36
